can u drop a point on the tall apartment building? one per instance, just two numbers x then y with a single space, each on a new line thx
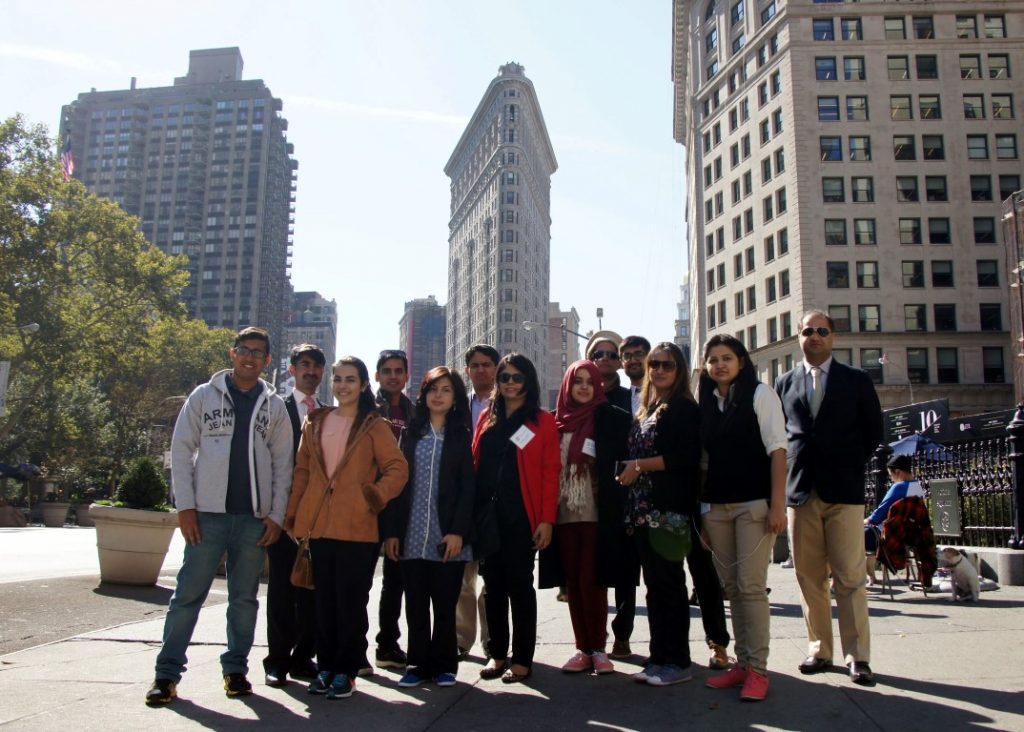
852 156
312 318
421 334
682 324
563 347
207 167
500 228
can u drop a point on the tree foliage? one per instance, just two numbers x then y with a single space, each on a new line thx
113 341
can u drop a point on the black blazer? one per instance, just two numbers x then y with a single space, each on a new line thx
621 398
456 486
293 415
827 454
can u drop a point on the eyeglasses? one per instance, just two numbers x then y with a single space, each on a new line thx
476 366
610 355
808 332
634 356
661 365
258 353
385 355
506 377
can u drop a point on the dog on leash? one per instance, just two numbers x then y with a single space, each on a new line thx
963 574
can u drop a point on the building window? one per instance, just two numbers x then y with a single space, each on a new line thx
938 231
945 317
736 12
995 26
970 67
894 29
977 147
853 68
770 295
835 232
825 68
862 189
927 67
824 30
966 26
974 106
998 66
783 238
933 147
903 147
860 147
711 41
992 364
784 284
906 189
831 150
991 316
777 121
899 68
769 248
867 275
857 108
828 109
1006 147
864 231
768 12
1008 185
840 315
923 27
900 107
1002 106
942 273
935 188
917 365
981 188
869 319
773 330
914 318
871 363
913 273
984 230
851 29
837 275
910 231
832 190
930 106
988 273
767 209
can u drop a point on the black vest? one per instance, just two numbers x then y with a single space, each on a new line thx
739 469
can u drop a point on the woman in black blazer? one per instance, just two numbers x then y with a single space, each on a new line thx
662 475
427 525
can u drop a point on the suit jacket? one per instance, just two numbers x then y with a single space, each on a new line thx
621 398
827 454
293 415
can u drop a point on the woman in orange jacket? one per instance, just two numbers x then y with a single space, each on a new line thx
347 469
517 457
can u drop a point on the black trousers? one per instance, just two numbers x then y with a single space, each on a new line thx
625 593
291 612
709 592
343 575
433 648
668 610
508 583
389 611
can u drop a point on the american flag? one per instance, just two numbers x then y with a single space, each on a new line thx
67 161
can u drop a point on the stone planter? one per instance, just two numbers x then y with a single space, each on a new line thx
82 517
55 513
132 544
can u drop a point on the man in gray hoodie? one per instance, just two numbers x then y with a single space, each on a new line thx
231 473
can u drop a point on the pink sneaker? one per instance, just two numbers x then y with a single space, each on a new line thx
755 688
601 663
736 676
579 662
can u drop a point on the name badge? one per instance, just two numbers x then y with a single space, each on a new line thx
589 448
522 437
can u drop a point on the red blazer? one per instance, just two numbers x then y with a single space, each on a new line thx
539 464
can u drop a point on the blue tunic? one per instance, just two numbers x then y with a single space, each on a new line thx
424 531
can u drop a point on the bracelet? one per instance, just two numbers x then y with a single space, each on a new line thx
636 466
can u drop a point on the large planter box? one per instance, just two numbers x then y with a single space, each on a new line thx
132 544
55 514
82 517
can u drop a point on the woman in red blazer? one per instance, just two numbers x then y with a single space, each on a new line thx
516 453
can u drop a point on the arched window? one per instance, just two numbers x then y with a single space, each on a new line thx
710 12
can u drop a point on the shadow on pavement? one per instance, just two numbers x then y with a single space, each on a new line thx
154 595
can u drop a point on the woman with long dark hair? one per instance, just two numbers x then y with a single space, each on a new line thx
515 449
744 434
347 469
426 526
662 475
593 438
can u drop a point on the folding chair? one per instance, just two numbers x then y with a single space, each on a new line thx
906 544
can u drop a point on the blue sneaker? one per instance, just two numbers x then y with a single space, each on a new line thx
341 687
668 675
445 680
650 669
321 683
411 680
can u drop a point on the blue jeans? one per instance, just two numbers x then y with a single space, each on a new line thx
237 535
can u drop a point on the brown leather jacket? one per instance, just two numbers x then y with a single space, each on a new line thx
357 494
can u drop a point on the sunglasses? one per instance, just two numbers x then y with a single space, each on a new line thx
808 332
610 355
661 365
506 377
256 353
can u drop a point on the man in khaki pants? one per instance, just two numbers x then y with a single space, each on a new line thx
834 423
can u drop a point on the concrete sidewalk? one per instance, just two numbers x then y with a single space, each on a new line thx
951 666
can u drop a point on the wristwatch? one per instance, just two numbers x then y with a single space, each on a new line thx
636 466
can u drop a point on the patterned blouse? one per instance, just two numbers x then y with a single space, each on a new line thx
641 445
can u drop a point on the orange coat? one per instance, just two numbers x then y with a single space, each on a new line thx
372 472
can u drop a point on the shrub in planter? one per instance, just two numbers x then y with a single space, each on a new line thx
142 486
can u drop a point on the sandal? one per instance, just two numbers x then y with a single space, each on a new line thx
494 672
511 677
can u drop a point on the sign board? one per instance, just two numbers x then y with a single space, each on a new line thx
5 370
926 417
945 507
989 424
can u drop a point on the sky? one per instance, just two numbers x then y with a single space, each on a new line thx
376 95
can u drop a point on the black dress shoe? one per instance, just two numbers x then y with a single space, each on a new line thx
814 665
303 670
276 678
860 673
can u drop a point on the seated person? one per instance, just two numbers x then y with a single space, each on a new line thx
904 485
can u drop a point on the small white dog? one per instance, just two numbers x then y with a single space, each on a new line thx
964 575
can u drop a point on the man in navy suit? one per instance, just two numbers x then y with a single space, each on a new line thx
290 609
834 423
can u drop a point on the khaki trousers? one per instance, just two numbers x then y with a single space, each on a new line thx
741 549
830 536
468 609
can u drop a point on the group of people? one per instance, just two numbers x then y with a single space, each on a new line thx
463 482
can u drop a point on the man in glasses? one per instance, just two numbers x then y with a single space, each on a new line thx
603 350
834 423
231 473
392 375
634 357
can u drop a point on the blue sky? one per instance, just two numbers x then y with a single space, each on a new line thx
376 95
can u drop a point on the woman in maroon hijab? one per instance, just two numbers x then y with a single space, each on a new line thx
593 437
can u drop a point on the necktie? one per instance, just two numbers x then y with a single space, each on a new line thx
310 403
817 391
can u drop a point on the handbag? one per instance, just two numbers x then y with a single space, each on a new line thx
302 570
